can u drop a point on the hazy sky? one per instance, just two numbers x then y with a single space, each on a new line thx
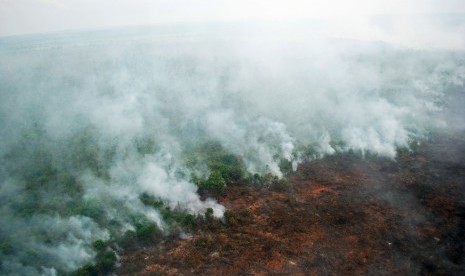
32 16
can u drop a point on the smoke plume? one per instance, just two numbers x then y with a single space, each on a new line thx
91 121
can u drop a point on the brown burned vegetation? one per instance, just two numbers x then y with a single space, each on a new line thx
341 215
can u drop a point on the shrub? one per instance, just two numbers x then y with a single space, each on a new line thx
92 208
285 166
189 221
230 218
106 261
215 183
264 180
87 270
230 166
147 232
99 245
281 185
128 238
6 248
151 201
172 217
197 180
209 214
201 243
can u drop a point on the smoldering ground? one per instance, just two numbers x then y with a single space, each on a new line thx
92 121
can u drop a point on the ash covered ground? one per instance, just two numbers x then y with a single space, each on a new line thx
340 215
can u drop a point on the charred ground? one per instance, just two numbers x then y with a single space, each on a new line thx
339 215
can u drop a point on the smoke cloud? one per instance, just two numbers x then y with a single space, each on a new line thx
90 121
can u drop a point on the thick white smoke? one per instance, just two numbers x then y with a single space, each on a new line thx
112 115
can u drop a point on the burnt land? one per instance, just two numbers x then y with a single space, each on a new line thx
340 215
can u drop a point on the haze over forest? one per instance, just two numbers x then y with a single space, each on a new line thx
104 111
